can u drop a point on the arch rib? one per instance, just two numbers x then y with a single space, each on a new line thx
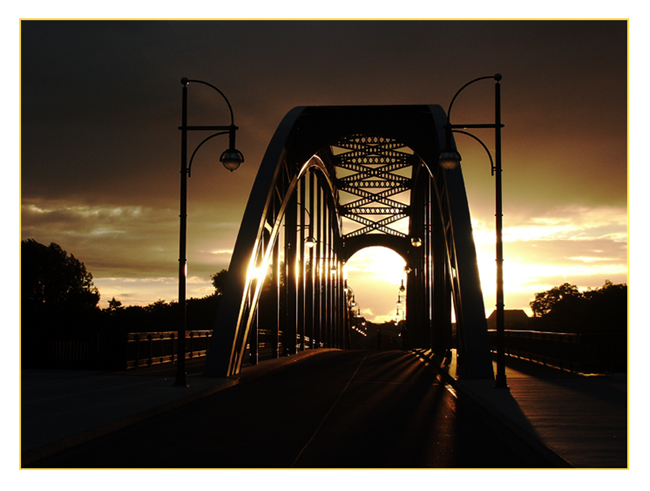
277 181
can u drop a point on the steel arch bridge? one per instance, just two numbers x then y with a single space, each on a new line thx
335 180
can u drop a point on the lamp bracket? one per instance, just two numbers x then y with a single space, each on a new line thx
208 128
480 125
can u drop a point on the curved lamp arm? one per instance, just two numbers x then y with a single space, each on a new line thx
186 81
493 168
189 165
496 77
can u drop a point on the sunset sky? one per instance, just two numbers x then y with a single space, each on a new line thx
100 141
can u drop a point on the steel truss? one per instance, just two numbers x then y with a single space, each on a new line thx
373 163
332 168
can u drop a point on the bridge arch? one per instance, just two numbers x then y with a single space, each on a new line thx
327 166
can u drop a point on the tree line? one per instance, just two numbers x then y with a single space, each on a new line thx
566 309
58 294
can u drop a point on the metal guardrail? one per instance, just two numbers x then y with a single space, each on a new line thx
573 352
107 350
72 349
269 346
145 349
83 350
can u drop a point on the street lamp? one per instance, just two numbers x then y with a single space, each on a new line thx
231 160
449 159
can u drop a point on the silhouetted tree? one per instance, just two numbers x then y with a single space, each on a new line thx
202 312
52 279
608 308
219 281
564 308
545 302
114 305
157 307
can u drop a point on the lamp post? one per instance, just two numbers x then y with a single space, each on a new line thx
399 305
231 160
401 293
450 159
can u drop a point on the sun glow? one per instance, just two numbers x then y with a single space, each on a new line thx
582 246
255 272
375 274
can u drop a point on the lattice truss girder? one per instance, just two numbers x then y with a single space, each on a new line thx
373 164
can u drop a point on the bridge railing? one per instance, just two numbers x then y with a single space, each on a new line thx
268 347
154 348
573 352
127 351
107 350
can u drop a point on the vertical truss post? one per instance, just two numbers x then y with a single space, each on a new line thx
290 317
301 267
318 307
311 318
410 296
428 274
342 308
329 279
327 325
415 299
253 339
276 327
441 292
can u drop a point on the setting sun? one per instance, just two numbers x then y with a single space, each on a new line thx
376 274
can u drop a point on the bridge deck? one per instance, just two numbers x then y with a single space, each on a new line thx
568 418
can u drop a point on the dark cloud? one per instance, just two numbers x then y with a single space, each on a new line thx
116 241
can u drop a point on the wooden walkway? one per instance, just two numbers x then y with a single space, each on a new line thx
582 419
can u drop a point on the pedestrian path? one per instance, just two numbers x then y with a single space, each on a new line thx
571 420
64 408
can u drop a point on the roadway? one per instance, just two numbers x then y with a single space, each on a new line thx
340 409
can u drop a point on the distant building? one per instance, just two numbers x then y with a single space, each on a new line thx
512 319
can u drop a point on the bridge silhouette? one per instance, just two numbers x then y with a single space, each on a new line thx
335 180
